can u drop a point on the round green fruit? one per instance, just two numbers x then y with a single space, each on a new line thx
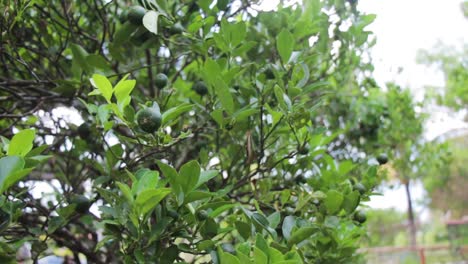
173 214
177 28
160 80
123 16
382 159
182 233
82 203
84 131
360 188
300 179
202 215
200 88
269 74
135 15
290 211
360 217
303 150
149 119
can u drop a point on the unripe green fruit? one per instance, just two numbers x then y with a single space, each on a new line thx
200 88
84 131
177 28
382 159
290 211
202 215
360 217
82 203
300 179
149 119
182 233
173 214
303 150
160 80
136 14
269 73
113 229
123 16
360 188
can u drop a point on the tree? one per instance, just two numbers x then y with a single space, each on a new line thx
203 138
446 184
452 61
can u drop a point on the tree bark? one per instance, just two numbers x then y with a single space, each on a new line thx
412 226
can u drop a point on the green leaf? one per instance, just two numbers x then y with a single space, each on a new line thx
261 243
79 56
259 256
351 201
333 201
167 170
244 48
173 177
97 61
188 175
126 192
217 116
148 199
274 219
147 181
285 45
9 166
205 245
211 71
288 223
244 229
122 92
170 115
222 209
14 178
122 34
244 259
301 234
21 143
150 21
197 195
103 85
227 258
260 220
224 95
205 176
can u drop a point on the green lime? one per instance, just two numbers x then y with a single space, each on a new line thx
160 80
84 131
360 217
202 215
135 15
200 88
382 159
177 28
149 119
303 150
360 188
82 203
269 74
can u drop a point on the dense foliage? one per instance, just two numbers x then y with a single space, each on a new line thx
208 131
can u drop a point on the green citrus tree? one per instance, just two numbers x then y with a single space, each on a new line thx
201 131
